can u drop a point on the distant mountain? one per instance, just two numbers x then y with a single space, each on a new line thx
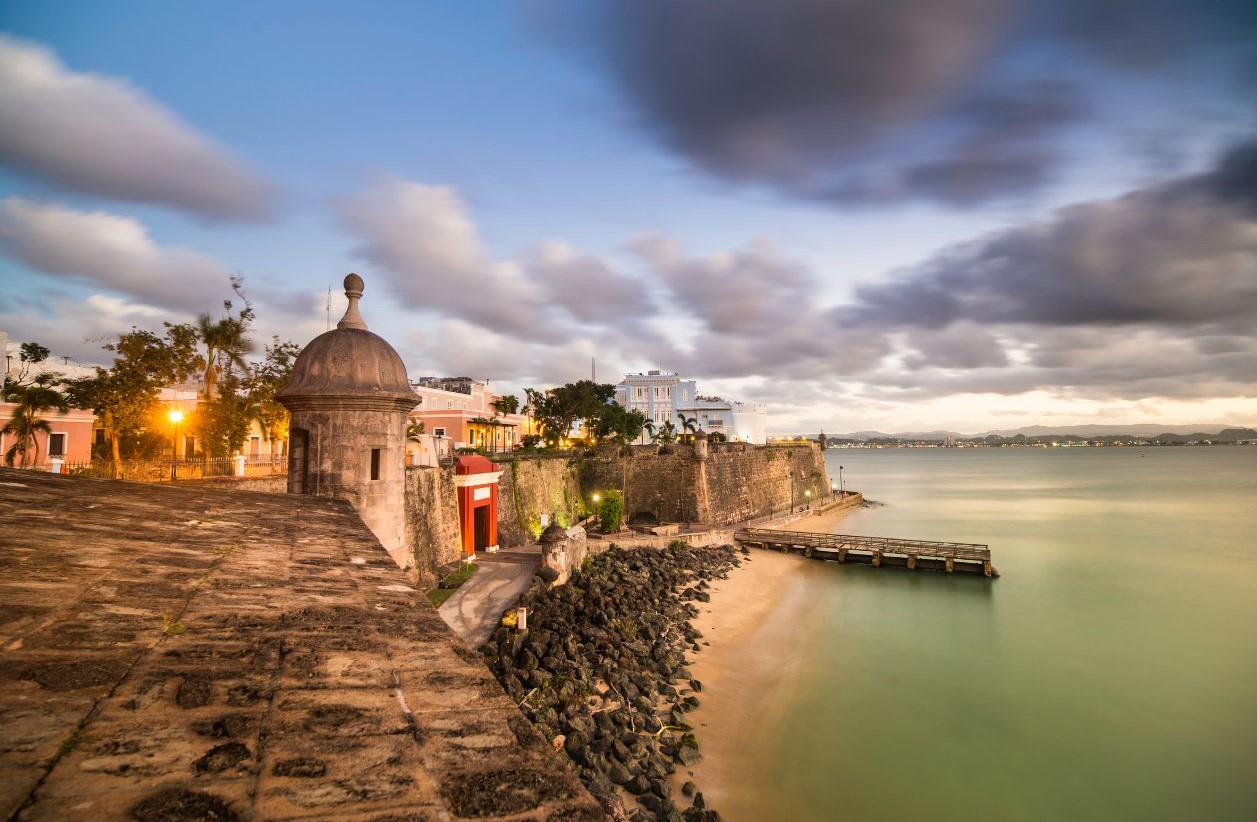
1148 431
1138 430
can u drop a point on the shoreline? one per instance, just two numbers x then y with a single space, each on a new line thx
754 614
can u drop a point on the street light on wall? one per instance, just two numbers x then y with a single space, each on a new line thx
175 417
842 489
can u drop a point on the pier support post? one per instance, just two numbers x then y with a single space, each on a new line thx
987 568
951 565
807 552
912 562
842 555
877 559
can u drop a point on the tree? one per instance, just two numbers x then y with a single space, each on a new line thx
26 423
667 432
226 339
263 380
508 404
689 425
716 436
559 408
30 354
223 421
611 511
617 422
124 396
649 425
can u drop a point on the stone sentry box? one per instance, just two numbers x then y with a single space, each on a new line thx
349 396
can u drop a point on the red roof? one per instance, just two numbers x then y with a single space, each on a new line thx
474 464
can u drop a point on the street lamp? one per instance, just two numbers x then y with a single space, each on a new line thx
175 417
597 498
807 492
842 489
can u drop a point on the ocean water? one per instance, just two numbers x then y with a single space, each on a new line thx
1110 674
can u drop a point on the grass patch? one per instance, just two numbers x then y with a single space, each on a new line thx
446 588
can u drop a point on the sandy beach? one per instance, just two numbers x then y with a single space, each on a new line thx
754 614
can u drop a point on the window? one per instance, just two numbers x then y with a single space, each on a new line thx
56 445
375 463
449 403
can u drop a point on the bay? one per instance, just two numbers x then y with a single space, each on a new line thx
1111 673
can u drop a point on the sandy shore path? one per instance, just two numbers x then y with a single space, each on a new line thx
751 671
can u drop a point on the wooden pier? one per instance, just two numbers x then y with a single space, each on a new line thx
952 557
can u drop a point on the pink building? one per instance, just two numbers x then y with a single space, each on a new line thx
70 440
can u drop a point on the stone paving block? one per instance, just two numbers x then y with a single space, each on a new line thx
376 773
227 800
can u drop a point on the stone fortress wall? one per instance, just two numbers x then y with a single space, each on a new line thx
736 482
531 488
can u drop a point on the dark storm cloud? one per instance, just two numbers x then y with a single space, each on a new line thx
771 91
997 143
868 102
1179 253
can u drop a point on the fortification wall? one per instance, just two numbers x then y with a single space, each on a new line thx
276 484
735 483
530 488
742 485
431 517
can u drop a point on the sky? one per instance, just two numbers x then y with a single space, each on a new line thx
928 214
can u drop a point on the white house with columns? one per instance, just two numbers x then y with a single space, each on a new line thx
663 396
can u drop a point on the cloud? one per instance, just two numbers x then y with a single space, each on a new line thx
1179 253
753 90
110 251
589 288
865 102
101 135
424 242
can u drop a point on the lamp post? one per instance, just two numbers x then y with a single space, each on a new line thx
807 493
597 498
842 489
175 417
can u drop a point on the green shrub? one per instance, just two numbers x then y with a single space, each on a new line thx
611 512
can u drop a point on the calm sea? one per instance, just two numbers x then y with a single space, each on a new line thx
1111 674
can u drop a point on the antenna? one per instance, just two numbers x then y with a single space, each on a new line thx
329 308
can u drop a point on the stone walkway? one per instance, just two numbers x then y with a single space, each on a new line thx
185 653
476 608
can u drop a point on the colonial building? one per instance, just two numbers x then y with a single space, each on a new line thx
458 412
663 396
69 441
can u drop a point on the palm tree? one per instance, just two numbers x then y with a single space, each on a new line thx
649 425
689 426
225 346
26 422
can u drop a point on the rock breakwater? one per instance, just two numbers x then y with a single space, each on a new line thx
603 672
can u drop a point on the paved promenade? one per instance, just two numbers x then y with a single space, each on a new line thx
185 653
475 609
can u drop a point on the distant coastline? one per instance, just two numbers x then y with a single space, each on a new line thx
1226 436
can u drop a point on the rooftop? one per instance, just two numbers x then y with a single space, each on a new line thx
191 653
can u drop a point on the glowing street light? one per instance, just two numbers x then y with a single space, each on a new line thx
175 417
597 498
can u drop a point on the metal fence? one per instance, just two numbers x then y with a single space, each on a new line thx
164 470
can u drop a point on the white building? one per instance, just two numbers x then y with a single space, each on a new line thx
663 396
738 421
